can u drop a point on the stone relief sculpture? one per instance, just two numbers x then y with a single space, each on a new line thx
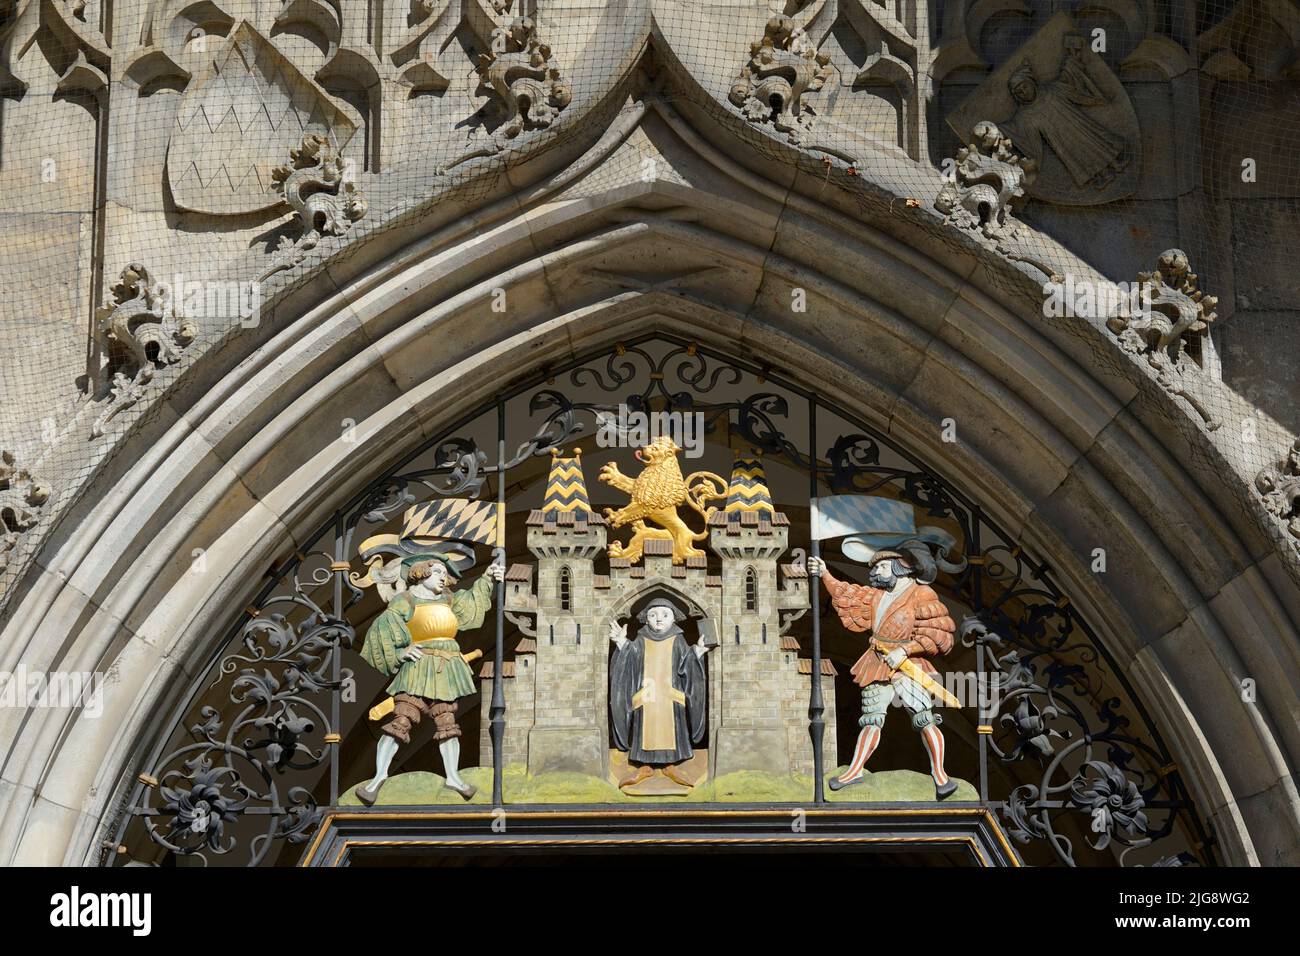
22 498
1172 315
783 68
321 187
139 330
907 623
523 82
413 640
656 495
1056 115
1278 486
236 120
657 697
1066 111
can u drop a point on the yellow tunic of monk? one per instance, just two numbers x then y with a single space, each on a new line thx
657 697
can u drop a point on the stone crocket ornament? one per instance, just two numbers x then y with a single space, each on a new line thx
656 495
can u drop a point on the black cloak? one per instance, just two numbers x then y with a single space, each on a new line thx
626 670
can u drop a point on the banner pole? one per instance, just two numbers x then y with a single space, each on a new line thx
498 711
816 723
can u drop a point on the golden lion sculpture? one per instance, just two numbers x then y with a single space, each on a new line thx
656 494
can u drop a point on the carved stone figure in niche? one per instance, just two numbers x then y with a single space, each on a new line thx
656 494
1067 111
657 695
414 642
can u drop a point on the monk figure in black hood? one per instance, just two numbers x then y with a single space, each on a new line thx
657 693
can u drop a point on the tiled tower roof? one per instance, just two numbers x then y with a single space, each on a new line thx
566 488
748 489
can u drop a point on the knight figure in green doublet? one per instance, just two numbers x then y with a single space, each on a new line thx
414 642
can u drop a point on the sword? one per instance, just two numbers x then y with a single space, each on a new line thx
385 706
911 669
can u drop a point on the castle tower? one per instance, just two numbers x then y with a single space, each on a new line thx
568 728
760 716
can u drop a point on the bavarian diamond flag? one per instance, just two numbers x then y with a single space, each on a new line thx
454 519
873 522
840 515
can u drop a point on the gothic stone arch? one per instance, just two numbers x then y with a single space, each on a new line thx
236 451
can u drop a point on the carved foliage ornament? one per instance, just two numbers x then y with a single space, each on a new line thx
989 181
525 78
1171 317
321 188
1278 486
783 67
22 498
139 330
522 80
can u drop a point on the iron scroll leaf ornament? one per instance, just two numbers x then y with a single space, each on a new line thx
204 798
1051 715
240 776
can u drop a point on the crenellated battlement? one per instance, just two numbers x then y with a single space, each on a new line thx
739 602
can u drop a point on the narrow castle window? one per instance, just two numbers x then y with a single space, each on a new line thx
751 590
566 590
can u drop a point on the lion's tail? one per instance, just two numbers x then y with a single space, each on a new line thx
702 486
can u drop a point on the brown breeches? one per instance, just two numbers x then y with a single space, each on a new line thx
407 711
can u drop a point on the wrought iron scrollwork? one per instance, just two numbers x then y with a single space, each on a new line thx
1050 712
1062 717
202 795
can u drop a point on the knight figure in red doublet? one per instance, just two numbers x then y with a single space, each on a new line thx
907 626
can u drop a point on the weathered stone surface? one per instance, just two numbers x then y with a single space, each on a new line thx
641 198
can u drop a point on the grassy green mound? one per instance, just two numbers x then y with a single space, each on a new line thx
419 788
896 786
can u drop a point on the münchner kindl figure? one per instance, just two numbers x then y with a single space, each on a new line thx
657 693
908 625
414 641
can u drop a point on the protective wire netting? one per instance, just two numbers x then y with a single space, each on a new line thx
150 133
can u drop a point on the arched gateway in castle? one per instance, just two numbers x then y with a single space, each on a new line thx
635 433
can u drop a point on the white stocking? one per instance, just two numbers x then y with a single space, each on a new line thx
384 753
451 759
